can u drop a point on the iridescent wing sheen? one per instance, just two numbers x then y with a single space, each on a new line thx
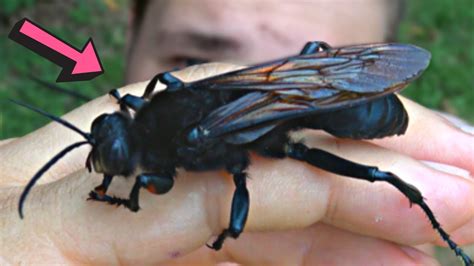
359 68
306 84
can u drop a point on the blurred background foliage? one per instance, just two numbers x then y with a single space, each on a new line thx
74 21
446 28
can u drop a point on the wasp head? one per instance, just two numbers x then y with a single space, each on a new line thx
110 140
112 153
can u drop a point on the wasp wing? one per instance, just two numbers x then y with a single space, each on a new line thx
308 84
359 68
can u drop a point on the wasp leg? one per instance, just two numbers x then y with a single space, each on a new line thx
135 102
314 47
106 198
150 87
132 102
238 213
172 83
157 184
102 188
115 93
168 79
338 165
127 101
99 193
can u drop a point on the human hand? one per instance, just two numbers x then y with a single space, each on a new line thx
298 214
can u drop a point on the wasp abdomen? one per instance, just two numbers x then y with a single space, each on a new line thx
377 119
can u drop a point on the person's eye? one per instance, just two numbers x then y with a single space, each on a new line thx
185 61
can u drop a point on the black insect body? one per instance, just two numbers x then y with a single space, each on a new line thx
214 123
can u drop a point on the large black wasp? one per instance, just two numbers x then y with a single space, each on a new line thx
214 123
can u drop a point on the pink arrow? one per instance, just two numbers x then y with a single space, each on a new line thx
77 65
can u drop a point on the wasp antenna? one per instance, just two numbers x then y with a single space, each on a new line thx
61 121
43 169
54 87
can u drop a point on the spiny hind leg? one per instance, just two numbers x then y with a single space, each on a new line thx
338 165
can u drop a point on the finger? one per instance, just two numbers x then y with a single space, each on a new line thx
380 210
285 194
431 137
319 244
220 222
167 226
465 233
98 233
19 163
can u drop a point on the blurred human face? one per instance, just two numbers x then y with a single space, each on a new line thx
246 32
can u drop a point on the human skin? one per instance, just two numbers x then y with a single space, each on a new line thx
247 32
299 215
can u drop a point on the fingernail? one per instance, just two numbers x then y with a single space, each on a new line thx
449 169
419 257
458 122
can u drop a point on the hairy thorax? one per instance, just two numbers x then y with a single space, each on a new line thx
161 128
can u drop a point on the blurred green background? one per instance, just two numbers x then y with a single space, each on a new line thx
74 21
446 28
